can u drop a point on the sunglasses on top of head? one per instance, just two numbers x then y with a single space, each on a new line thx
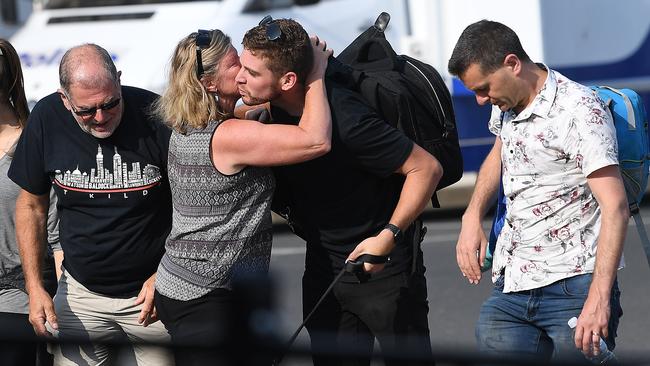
272 28
202 40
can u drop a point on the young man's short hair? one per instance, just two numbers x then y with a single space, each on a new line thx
291 51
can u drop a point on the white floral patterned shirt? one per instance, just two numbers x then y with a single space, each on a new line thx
552 220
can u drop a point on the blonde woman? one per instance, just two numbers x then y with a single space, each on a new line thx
221 190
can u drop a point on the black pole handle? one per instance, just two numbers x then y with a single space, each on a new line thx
356 266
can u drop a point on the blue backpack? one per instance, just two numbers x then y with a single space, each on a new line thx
631 124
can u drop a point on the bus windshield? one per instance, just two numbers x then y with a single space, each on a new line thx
67 4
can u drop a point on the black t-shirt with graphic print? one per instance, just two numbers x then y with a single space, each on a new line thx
114 199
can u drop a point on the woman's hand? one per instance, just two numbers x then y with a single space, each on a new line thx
321 54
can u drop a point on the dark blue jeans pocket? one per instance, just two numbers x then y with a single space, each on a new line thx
577 285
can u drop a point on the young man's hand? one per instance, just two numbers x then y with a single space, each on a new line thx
381 245
321 54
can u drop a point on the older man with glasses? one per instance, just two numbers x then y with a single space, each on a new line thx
105 155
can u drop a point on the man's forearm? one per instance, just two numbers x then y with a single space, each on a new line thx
610 248
419 185
31 218
422 172
607 187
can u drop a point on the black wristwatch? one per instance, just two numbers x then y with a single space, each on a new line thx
397 233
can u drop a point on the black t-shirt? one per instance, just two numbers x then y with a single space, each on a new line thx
350 193
113 194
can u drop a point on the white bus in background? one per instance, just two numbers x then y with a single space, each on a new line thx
591 41
141 34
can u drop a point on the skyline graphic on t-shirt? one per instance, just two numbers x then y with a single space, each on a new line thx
101 179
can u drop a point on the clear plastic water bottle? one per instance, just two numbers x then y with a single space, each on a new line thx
604 357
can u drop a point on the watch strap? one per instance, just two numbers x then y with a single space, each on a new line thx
397 232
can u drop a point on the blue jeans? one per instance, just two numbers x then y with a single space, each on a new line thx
534 322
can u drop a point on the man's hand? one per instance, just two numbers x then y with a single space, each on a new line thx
592 323
260 114
320 54
41 310
470 250
148 313
381 245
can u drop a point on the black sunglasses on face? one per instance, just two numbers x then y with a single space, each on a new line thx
202 41
90 112
273 30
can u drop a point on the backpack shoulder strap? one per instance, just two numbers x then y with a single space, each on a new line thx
631 119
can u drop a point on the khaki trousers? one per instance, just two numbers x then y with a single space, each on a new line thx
86 315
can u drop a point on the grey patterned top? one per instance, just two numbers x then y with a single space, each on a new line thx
221 223
11 272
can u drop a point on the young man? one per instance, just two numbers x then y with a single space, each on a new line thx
362 197
95 142
567 214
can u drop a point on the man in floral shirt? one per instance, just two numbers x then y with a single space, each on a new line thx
562 241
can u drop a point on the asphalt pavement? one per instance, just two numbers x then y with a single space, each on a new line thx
454 303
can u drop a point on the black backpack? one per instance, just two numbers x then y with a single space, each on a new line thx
408 94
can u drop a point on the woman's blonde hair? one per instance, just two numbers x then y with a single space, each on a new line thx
185 102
